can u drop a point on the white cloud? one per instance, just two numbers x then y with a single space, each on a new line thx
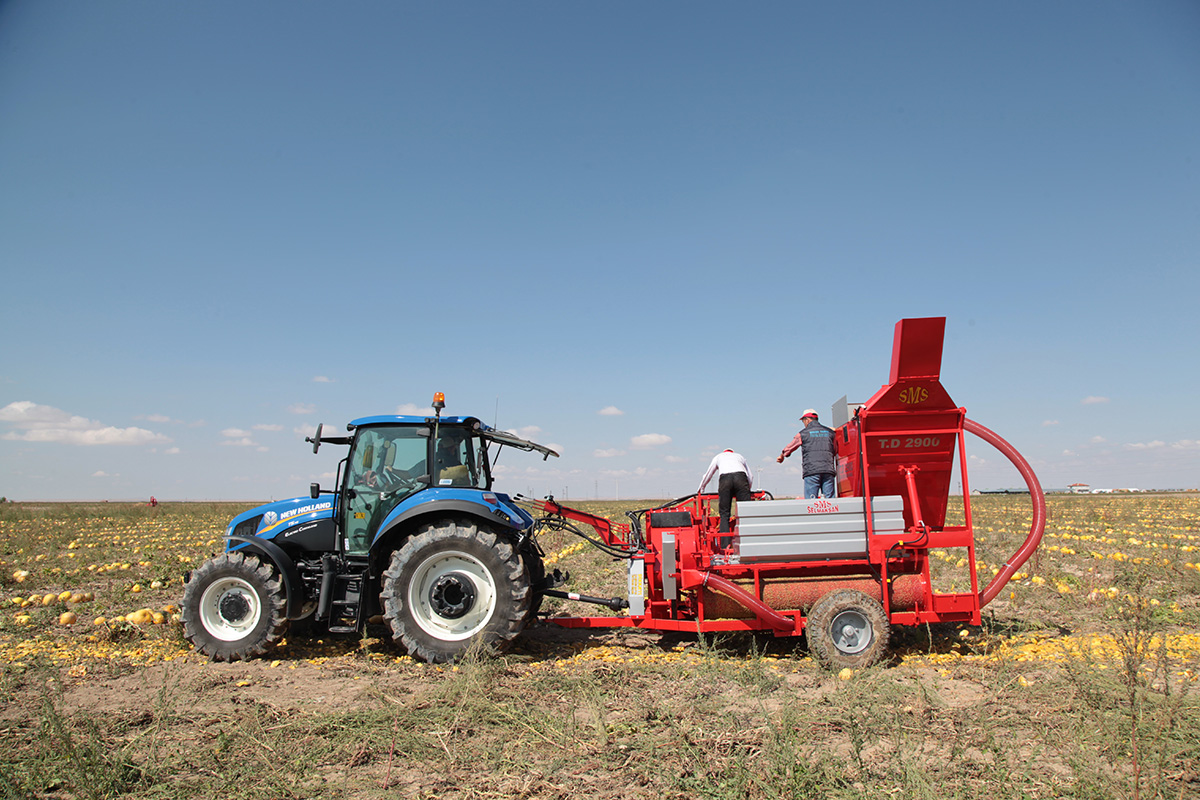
1097 440
646 440
611 452
102 474
322 379
1186 444
171 451
157 418
679 460
301 408
528 432
236 437
1093 400
107 435
615 473
639 472
1154 445
1049 422
610 411
414 410
263 427
38 423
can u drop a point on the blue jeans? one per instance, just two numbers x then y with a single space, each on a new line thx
822 484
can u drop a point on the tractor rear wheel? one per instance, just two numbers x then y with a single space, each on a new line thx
536 571
234 607
451 585
847 628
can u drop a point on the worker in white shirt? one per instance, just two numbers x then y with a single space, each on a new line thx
735 481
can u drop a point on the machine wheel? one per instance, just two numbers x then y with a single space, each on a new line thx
234 607
847 628
452 584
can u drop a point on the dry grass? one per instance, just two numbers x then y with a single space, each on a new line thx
1081 684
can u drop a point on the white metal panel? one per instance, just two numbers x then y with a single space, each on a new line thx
786 530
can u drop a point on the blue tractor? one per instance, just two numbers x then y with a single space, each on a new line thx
413 532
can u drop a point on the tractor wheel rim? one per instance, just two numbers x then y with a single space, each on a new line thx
452 595
851 632
229 609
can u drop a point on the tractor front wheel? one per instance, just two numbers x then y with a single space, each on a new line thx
451 585
847 628
234 607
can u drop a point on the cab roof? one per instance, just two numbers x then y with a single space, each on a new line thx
490 433
400 419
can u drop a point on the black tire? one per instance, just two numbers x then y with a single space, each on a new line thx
306 622
536 571
451 585
234 607
847 628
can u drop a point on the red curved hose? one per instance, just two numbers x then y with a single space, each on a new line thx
739 595
1039 510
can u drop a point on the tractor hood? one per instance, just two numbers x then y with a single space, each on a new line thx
267 520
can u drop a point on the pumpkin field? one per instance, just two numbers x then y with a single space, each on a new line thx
1082 681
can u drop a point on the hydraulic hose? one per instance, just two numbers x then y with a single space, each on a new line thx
1038 525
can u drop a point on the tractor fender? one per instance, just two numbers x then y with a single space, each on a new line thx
292 585
494 516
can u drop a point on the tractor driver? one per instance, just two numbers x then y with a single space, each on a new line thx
448 461
448 466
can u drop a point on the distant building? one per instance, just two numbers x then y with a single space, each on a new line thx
1079 488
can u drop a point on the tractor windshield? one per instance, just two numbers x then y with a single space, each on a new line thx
386 465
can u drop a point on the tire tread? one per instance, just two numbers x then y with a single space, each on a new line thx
271 598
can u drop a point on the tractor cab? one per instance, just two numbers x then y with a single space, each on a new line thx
399 462
392 459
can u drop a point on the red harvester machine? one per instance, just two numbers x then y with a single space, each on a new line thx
844 569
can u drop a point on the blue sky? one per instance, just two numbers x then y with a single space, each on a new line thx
641 232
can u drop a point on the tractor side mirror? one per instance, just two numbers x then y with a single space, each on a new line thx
314 490
316 440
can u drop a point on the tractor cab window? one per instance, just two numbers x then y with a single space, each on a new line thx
456 460
386 466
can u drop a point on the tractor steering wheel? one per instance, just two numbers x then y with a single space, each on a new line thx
393 481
